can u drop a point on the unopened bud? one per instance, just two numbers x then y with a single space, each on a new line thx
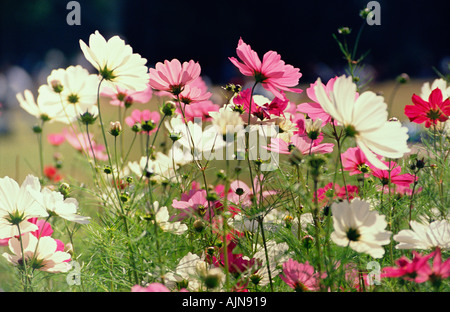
64 189
403 78
199 225
115 128
344 30
148 125
168 108
56 86
87 118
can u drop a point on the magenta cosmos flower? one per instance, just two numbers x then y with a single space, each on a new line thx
171 76
301 142
272 72
394 176
436 109
300 276
354 161
416 270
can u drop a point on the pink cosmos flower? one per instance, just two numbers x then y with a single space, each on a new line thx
194 204
314 109
171 76
436 109
416 270
274 75
199 110
123 97
275 107
237 263
80 142
56 139
138 117
300 276
192 94
394 176
338 192
439 270
300 142
243 194
354 161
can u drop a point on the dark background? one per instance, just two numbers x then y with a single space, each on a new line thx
413 36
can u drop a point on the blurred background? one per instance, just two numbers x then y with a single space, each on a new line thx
35 38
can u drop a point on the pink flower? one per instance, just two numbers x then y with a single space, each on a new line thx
192 94
328 192
44 229
138 117
123 97
301 143
416 270
153 287
242 194
56 139
299 276
275 107
194 204
80 142
237 263
52 174
172 76
199 110
354 161
272 72
394 176
440 270
436 109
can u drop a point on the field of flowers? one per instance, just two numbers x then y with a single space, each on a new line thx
142 183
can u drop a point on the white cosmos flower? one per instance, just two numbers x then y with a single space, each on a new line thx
56 205
116 62
277 254
17 204
437 84
187 273
365 119
39 254
39 109
425 236
227 121
73 89
162 219
159 169
360 228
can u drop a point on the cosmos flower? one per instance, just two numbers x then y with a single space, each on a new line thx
73 89
201 110
161 216
40 254
300 276
17 205
416 270
354 161
301 143
116 63
424 236
360 228
125 98
80 142
439 83
40 109
435 109
365 119
274 75
172 77
139 117
393 175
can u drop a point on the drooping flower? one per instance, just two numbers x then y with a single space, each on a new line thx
424 236
435 109
300 276
76 92
365 119
17 205
360 228
172 77
142 117
274 75
125 98
116 63
40 254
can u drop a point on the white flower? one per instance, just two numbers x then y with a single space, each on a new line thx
39 254
116 62
73 89
425 236
40 109
55 204
277 254
437 83
365 119
356 226
17 204
162 219
159 169
227 121
187 274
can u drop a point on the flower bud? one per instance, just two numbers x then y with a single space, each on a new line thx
37 129
199 225
148 125
115 128
168 108
107 169
87 118
57 86
136 127
128 101
344 30
64 189
403 78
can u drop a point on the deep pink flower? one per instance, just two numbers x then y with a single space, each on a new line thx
171 76
300 276
436 109
328 192
52 174
56 139
439 270
237 263
123 97
274 107
354 161
394 176
301 142
416 270
138 117
192 94
274 75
